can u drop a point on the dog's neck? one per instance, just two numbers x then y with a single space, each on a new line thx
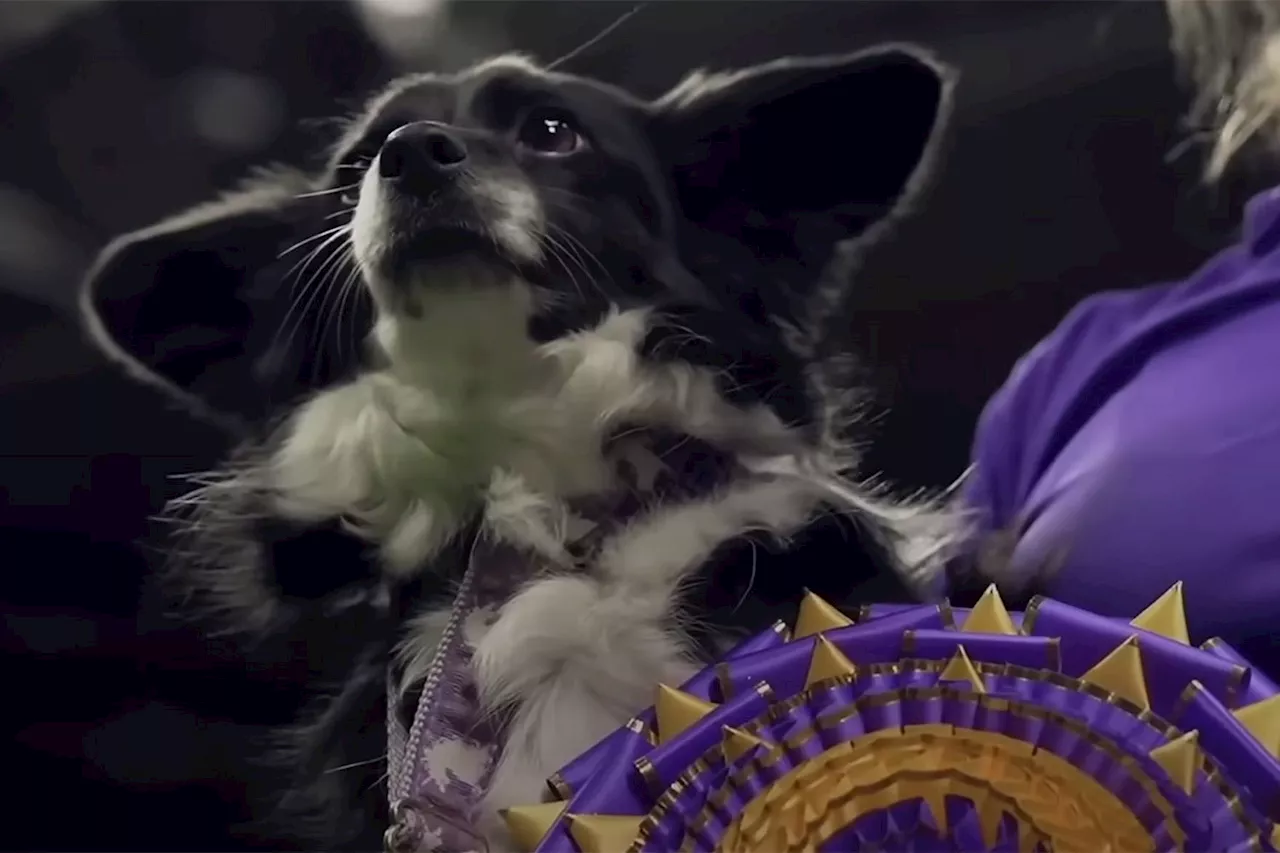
465 342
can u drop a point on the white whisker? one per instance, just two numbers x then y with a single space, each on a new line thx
319 193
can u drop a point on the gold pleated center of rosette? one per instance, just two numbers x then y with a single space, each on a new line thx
1006 785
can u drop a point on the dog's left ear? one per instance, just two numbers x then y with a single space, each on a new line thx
177 303
818 149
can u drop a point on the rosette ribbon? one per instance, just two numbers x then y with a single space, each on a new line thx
920 728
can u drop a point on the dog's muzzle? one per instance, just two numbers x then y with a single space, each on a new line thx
433 196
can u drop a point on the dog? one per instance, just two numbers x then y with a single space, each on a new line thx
547 325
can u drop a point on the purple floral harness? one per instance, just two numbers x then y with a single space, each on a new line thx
439 769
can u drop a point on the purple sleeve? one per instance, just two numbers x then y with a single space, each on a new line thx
1136 446
1014 428
1026 421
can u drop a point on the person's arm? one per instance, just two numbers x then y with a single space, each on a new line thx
1013 435
1013 430
1029 417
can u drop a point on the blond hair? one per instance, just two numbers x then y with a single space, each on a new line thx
1231 48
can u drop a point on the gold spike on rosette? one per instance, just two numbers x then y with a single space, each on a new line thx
528 824
961 668
737 743
1121 673
677 711
989 615
990 814
826 662
936 799
816 616
1181 758
1166 616
599 833
1262 719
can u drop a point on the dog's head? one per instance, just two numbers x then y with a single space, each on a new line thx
727 198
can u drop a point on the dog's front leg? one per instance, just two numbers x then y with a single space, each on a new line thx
382 457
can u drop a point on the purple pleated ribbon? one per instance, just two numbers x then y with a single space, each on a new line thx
689 794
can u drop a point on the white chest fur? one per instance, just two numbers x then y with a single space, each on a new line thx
403 454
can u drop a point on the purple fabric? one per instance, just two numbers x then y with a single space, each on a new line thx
1140 443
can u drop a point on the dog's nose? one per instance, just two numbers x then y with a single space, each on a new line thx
422 155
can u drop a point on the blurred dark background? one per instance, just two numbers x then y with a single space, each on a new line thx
1065 173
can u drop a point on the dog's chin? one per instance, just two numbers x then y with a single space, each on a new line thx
445 249
406 266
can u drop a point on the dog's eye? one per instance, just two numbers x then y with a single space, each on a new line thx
550 133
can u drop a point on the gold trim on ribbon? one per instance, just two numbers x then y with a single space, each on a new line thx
948 614
1030 613
649 774
1239 674
1054 654
559 788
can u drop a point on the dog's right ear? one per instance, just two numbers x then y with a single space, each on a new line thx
175 303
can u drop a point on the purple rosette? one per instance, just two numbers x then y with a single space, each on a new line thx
921 729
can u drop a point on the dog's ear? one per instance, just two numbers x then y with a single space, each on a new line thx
179 304
818 149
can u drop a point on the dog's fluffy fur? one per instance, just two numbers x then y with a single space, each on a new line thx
682 269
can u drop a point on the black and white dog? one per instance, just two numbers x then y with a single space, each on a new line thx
539 314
